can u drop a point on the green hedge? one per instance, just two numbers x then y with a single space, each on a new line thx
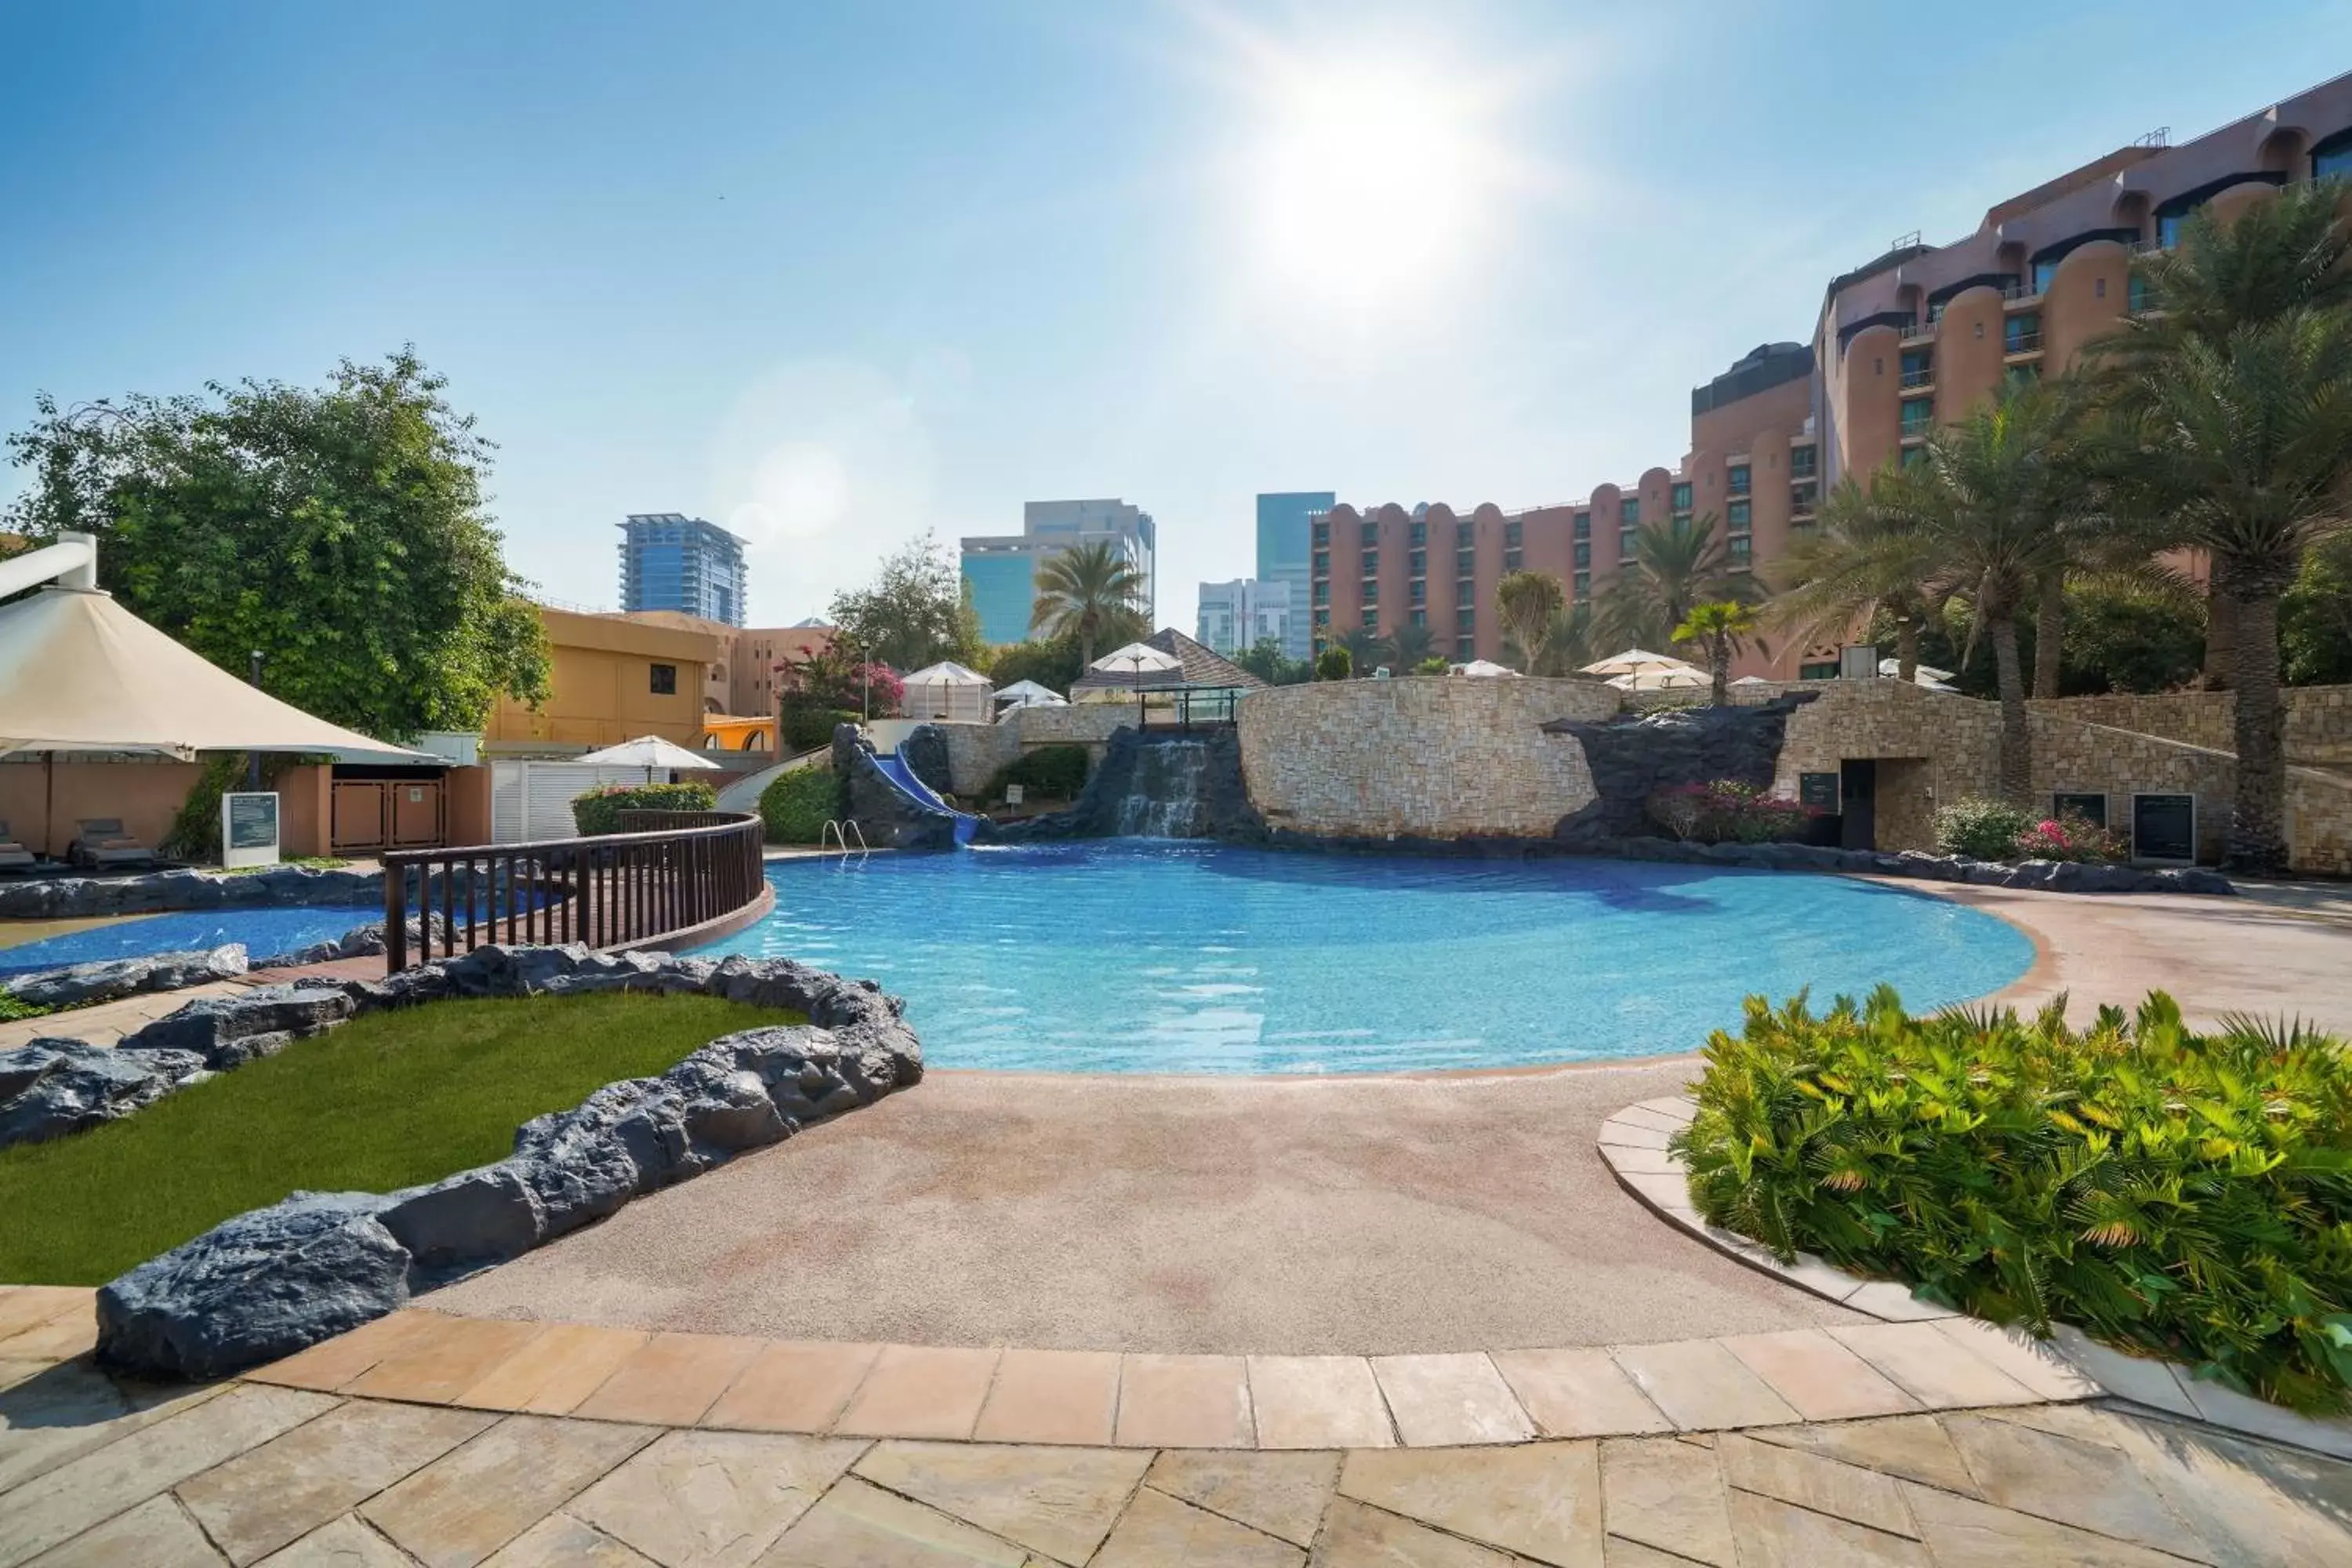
599 811
2180 1195
1982 829
806 728
798 805
1054 773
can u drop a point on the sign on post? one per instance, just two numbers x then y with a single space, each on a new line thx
249 829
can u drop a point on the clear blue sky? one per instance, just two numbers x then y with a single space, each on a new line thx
836 273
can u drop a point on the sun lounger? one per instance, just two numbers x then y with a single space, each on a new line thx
103 844
14 857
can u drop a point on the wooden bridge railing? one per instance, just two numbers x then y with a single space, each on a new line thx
671 871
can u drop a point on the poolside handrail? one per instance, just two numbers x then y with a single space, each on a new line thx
678 871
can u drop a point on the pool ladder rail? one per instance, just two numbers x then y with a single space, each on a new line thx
839 828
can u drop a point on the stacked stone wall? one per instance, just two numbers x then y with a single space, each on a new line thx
2318 719
1423 756
976 752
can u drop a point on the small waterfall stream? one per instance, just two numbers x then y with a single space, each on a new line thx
1163 799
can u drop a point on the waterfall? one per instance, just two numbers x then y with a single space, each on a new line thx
1163 797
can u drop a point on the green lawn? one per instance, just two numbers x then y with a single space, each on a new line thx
384 1102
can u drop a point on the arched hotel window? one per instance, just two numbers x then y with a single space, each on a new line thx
2331 158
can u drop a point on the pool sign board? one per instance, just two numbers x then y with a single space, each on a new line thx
2164 828
249 829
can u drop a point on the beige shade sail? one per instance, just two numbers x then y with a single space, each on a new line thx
80 673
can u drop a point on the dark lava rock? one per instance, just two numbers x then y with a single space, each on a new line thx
255 1288
486 1214
212 1025
53 1088
889 818
926 751
1174 785
1632 758
81 984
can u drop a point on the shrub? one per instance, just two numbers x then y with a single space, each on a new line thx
1055 773
2184 1195
1334 663
806 729
2070 838
1728 811
1980 830
599 811
1436 664
796 806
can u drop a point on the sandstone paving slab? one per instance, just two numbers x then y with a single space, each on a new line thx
1058 1502
1678 1108
1630 1134
1184 1402
1616 1552
61 1412
71 1334
270 1495
2088 1485
1669 1495
1317 1402
2253 1503
862 1524
1915 1448
96 1486
1702 1387
555 1371
1540 1499
1356 1536
1960 1532
1776 1534
29 1306
1578 1392
156 1534
1160 1531
1636 1162
2242 1412
444 1363
920 1391
670 1380
1051 1396
560 1541
1933 1368
1815 1482
1441 1400
345 1543
2140 1379
793 1387
1891 1303
13 1372
2036 1364
333 1363
466 1504
1821 1379
712 1500
1283 1495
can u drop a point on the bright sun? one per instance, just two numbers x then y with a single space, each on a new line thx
1369 177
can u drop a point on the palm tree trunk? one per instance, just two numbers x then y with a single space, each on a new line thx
2016 760
1718 649
2258 819
1906 648
2220 630
2049 636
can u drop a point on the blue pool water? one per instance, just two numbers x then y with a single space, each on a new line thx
1132 956
266 932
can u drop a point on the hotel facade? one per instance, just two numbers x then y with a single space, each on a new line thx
1909 341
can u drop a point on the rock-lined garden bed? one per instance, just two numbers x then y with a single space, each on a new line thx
276 1279
2048 875
111 979
155 892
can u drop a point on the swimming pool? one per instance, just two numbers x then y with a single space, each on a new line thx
1130 955
265 932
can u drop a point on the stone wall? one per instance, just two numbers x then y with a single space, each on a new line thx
1422 756
976 751
2318 719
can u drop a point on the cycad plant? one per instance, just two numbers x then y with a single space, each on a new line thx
1723 629
1090 592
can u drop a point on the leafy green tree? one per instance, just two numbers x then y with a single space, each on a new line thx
1367 650
2315 618
1334 663
1264 659
916 612
2123 637
1436 664
1093 593
2241 447
1723 628
1055 663
1528 603
343 531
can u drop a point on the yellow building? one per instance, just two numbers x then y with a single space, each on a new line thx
612 679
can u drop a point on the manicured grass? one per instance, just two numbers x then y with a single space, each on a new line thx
384 1102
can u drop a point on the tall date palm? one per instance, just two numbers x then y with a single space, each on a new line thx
1090 592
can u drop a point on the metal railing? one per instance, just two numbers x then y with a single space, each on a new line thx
2020 342
671 872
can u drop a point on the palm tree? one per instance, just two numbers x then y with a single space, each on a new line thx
1528 603
1724 627
1411 646
1853 565
1676 564
2276 257
1090 592
1565 644
1367 649
2240 445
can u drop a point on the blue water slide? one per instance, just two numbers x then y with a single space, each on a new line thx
894 768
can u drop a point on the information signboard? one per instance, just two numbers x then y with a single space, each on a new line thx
249 829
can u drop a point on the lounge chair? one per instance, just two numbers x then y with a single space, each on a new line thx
102 844
15 856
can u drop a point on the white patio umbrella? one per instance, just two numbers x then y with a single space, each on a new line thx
648 751
1485 669
1135 659
1030 694
1934 679
1635 661
1753 680
1679 679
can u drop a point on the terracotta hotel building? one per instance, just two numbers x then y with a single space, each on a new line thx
1907 342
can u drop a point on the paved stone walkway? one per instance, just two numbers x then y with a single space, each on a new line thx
93 1471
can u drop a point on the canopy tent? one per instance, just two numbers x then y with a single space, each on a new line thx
1484 668
948 690
1029 694
649 753
1637 661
